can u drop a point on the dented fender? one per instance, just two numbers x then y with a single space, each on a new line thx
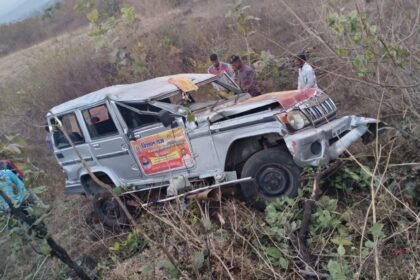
319 145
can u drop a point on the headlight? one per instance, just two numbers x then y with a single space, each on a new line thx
297 120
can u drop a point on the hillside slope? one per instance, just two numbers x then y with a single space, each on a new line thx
369 208
17 64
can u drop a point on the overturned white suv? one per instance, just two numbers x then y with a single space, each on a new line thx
176 136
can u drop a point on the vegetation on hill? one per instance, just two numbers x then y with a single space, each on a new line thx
366 55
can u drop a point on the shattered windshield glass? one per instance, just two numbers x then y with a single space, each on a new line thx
209 94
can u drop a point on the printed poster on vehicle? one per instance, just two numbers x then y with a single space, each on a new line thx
165 151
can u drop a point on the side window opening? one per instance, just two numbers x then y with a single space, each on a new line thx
135 120
99 122
71 126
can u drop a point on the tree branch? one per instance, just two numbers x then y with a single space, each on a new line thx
41 232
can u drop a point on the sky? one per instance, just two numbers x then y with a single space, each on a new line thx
16 10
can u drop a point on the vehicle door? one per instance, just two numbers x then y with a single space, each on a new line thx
108 143
65 154
158 149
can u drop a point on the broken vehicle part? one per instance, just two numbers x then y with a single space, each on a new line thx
197 191
320 145
210 195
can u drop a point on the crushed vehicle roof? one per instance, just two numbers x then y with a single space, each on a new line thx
142 91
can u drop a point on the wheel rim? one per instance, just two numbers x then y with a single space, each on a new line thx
273 180
110 209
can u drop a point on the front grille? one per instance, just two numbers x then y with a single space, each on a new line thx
320 111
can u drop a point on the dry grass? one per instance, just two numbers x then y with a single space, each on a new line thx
226 246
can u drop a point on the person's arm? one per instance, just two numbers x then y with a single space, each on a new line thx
19 184
300 77
310 78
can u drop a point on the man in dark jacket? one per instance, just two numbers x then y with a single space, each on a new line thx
245 76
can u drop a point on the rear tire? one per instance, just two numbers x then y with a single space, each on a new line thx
275 175
109 211
91 188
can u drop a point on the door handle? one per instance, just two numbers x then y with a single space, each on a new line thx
96 146
124 147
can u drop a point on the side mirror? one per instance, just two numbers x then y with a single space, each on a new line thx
166 118
131 136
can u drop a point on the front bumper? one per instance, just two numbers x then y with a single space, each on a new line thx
320 145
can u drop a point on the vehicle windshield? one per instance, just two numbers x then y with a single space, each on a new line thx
209 94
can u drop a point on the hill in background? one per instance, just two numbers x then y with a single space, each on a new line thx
18 10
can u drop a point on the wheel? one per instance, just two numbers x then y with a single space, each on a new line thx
108 211
275 175
91 188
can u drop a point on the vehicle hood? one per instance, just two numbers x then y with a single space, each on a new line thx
286 99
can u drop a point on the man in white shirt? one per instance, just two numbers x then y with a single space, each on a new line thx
307 78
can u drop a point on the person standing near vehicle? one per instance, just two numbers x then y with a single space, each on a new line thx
306 78
245 76
15 189
225 73
218 68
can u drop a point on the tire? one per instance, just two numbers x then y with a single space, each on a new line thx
275 175
91 188
109 212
